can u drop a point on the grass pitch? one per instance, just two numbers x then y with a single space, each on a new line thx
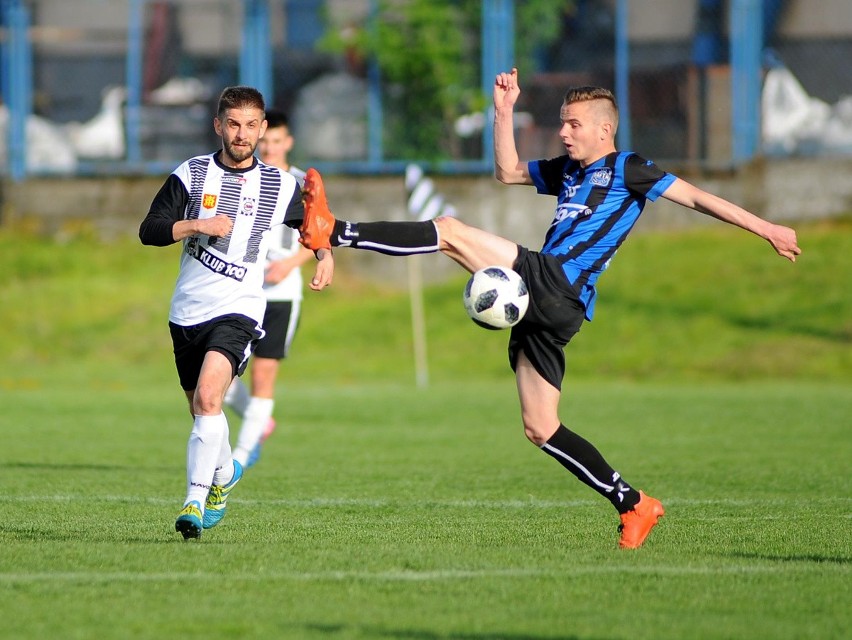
716 377
388 512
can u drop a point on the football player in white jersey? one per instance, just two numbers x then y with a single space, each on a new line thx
221 206
283 288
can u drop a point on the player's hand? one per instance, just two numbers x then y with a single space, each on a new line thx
218 226
506 89
783 240
277 270
325 270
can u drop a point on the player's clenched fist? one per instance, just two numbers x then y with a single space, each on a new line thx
219 225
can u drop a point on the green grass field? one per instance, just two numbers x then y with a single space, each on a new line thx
716 377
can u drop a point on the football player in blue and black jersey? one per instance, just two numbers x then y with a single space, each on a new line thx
600 193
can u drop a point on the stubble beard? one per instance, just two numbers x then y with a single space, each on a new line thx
237 154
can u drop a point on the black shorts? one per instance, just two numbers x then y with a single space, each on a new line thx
280 323
233 335
554 315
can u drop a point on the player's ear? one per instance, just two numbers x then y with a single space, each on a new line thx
263 126
217 126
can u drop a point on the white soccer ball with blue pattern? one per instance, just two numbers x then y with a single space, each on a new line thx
496 298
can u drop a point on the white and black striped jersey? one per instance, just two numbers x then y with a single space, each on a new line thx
224 275
283 243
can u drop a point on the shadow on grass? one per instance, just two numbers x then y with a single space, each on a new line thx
413 634
818 559
37 534
54 466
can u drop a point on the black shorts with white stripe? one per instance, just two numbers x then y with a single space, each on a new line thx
554 315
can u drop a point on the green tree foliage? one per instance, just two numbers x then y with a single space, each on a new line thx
428 54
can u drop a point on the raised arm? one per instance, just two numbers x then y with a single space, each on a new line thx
508 168
782 239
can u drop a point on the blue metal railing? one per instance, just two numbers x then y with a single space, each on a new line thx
255 65
746 47
17 83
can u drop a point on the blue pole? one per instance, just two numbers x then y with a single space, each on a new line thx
133 71
622 75
18 65
746 44
375 114
256 52
498 54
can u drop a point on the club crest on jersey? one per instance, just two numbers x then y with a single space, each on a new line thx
208 201
602 177
248 207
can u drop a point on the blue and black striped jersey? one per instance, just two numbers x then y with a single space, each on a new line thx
597 207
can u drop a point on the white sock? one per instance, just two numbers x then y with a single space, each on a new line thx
202 452
237 397
225 463
257 415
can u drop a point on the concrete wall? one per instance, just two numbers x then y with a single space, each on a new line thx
789 191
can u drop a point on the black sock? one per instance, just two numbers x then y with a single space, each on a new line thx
581 458
391 238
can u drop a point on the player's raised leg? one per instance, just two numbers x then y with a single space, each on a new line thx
472 247
469 246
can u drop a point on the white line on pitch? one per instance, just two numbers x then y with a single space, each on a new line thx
436 575
426 503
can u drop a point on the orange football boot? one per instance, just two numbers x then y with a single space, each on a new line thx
319 222
637 523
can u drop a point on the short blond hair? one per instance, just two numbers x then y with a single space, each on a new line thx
590 94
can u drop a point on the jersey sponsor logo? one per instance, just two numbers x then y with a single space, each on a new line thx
208 201
215 264
568 211
568 186
249 206
602 177
230 178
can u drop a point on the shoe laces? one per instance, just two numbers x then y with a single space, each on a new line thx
216 493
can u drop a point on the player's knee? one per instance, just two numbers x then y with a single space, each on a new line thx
206 401
535 433
450 230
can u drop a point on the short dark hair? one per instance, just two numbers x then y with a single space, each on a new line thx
240 96
276 118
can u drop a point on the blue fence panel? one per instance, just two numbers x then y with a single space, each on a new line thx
663 108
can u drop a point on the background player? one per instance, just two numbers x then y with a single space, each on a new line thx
221 206
283 288
600 194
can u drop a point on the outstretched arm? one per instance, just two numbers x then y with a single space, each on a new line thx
508 167
782 239
277 270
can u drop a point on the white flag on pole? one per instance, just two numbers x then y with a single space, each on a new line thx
424 203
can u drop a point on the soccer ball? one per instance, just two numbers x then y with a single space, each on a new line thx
496 298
